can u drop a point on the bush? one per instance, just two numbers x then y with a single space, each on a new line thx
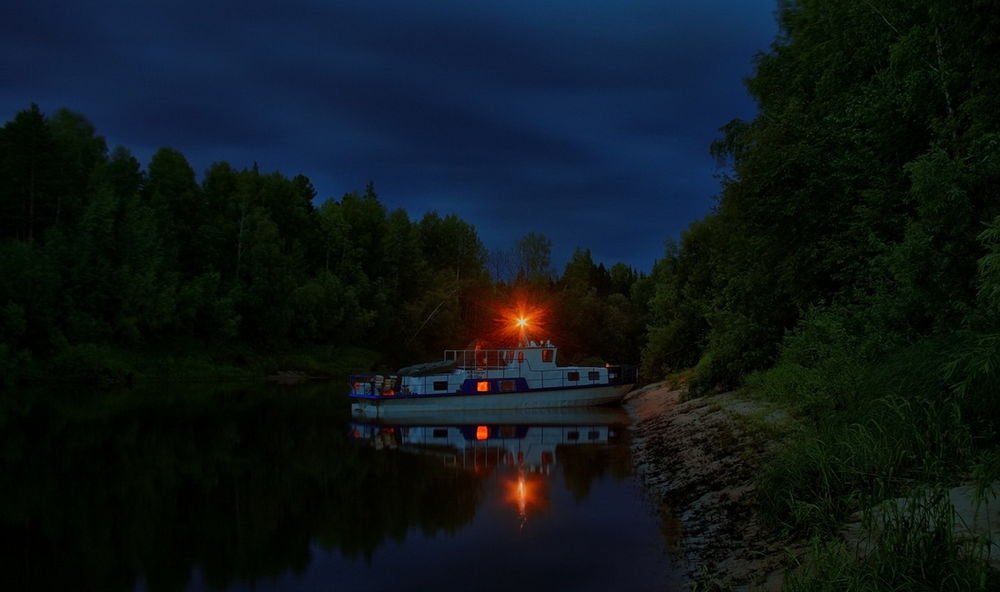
879 416
99 365
911 546
13 363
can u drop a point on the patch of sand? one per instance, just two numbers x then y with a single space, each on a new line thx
701 457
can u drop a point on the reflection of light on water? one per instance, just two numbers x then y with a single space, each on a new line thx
523 494
522 499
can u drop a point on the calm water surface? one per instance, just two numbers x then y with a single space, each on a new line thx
277 489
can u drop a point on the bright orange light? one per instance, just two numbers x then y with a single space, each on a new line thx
482 432
526 493
483 386
521 322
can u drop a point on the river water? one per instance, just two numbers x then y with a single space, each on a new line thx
258 488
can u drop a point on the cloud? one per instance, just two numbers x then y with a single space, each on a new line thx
584 120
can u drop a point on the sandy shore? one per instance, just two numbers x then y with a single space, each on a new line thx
700 458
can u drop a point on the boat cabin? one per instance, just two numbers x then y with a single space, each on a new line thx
521 369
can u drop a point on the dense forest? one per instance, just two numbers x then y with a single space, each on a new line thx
862 196
851 271
100 257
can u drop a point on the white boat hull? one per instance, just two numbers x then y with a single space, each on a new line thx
563 416
415 406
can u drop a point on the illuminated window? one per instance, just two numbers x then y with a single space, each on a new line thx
573 376
593 375
483 386
547 355
440 385
507 386
482 432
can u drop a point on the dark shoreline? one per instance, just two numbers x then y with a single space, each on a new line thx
699 458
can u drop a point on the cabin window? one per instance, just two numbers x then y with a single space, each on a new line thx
440 432
507 431
483 386
520 356
440 385
573 436
573 376
593 435
507 386
547 355
593 375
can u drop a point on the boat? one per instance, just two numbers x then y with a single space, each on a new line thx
525 376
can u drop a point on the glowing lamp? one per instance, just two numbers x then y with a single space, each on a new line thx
483 386
482 432
522 322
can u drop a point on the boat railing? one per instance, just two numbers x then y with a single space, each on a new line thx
483 359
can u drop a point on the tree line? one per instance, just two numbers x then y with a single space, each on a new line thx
863 194
96 249
850 270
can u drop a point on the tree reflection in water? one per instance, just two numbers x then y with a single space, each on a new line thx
143 489
104 491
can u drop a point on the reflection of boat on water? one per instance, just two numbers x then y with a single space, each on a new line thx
516 449
522 377
490 438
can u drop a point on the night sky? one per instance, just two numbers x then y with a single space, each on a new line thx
588 121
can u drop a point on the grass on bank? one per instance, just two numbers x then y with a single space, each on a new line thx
913 546
880 420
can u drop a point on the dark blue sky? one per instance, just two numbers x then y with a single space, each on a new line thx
588 121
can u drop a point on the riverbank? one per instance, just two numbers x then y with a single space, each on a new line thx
107 366
700 458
